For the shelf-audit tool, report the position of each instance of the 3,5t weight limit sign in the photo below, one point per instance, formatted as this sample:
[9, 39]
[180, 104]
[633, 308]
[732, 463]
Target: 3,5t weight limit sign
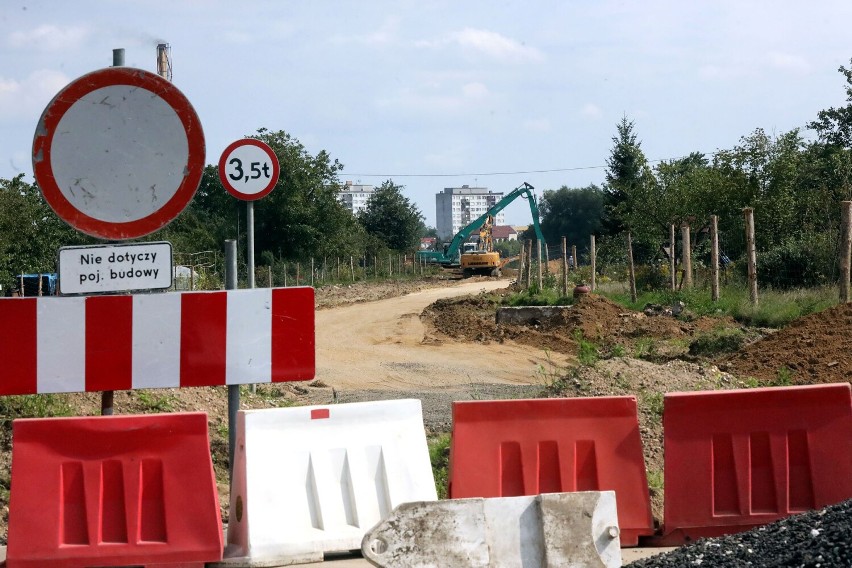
[248, 169]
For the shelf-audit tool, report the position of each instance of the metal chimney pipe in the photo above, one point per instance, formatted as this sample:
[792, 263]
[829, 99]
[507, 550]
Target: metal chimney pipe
[118, 57]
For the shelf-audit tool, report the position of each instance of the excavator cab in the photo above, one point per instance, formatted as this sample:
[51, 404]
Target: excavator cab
[480, 257]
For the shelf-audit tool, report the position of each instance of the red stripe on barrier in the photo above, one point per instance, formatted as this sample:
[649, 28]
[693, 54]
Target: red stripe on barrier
[18, 346]
[320, 413]
[109, 343]
[525, 447]
[738, 459]
[112, 491]
[293, 350]
[203, 335]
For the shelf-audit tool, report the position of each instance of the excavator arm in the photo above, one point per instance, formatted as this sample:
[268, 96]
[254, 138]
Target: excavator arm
[451, 256]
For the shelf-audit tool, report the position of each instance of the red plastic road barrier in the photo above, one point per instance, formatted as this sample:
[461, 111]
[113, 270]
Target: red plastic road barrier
[737, 459]
[97, 343]
[508, 448]
[113, 491]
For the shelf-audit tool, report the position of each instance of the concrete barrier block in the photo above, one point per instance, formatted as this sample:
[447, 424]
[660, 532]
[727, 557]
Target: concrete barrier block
[542, 531]
[528, 315]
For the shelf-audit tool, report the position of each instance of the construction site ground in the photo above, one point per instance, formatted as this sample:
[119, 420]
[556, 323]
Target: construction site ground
[436, 340]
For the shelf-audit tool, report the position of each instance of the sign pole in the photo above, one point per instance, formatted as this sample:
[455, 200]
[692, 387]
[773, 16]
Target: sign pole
[250, 241]
[233, 390]
[108, 397]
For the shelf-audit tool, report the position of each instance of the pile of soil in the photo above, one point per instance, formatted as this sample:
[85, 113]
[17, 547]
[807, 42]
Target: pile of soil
[592, 318]
[813, 349]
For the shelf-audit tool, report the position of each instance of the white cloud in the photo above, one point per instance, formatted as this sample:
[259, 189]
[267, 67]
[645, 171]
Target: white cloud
[591, 110]
[537, 125]
[722, 72]
[789, 62]
[26, 99]
[434, 96]
[48, 37]
[491, 44]
[387, 33]
[475, 91]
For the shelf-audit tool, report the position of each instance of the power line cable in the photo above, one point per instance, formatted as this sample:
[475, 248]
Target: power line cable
[547, 171]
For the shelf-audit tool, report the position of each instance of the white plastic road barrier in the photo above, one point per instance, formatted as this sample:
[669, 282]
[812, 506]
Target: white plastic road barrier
[313, 479]
[538, 531]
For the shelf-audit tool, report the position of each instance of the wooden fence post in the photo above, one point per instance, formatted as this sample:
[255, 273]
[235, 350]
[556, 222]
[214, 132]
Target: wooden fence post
[673, 257]
[845, 249]
[631, 269]
[352, 267]
[540, 279]
[529, 265]
[594, 261]
[751, 252]
[564, 266]
[687, 256]
[285, 274]
[714, 258]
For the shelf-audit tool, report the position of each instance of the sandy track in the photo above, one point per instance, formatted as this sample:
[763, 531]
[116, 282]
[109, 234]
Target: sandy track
[380, 345]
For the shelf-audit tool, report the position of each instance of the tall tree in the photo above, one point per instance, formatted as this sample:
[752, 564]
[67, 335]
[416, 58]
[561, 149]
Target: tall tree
[302, 217]
[834, 125]
[627, 178]
[573, 213]
[31, 232]
[391, 218]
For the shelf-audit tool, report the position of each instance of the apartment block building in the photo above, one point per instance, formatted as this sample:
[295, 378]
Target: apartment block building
[355, 196]
[456, 207]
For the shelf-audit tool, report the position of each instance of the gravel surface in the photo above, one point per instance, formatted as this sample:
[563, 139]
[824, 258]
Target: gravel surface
[438, 404]
[820, 538]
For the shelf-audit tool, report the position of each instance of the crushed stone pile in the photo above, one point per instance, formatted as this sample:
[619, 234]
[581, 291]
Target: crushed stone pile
[821, 538]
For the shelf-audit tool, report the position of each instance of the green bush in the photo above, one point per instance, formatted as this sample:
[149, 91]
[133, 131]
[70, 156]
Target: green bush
[804, 261]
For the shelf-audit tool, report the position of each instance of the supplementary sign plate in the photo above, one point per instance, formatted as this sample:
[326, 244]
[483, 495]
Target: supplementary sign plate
[115, 268]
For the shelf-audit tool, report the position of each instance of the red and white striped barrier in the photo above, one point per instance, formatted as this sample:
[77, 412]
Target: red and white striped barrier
[168, 340]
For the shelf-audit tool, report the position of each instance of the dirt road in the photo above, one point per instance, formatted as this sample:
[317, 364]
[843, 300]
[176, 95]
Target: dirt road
[383, 345]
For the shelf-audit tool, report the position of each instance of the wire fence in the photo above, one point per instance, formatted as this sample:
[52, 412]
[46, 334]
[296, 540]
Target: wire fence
[700, 256]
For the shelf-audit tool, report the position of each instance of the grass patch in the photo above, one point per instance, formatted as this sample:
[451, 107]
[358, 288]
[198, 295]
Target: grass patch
[646, 348]
[655, 480]
[439, 456]
[776, 308]
[588, 353]
[716, 341]
[154, 403]
[534, 297]
[33, 406]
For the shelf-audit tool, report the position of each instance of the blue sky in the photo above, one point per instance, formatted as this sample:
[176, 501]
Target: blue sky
[444, 93]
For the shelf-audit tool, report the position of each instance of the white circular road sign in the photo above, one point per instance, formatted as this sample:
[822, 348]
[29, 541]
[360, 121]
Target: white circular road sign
[249, 169]
[118, 153]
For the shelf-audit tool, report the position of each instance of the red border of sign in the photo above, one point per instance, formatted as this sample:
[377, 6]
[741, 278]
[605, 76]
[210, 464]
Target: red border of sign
[56, 109]
[223, 177]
